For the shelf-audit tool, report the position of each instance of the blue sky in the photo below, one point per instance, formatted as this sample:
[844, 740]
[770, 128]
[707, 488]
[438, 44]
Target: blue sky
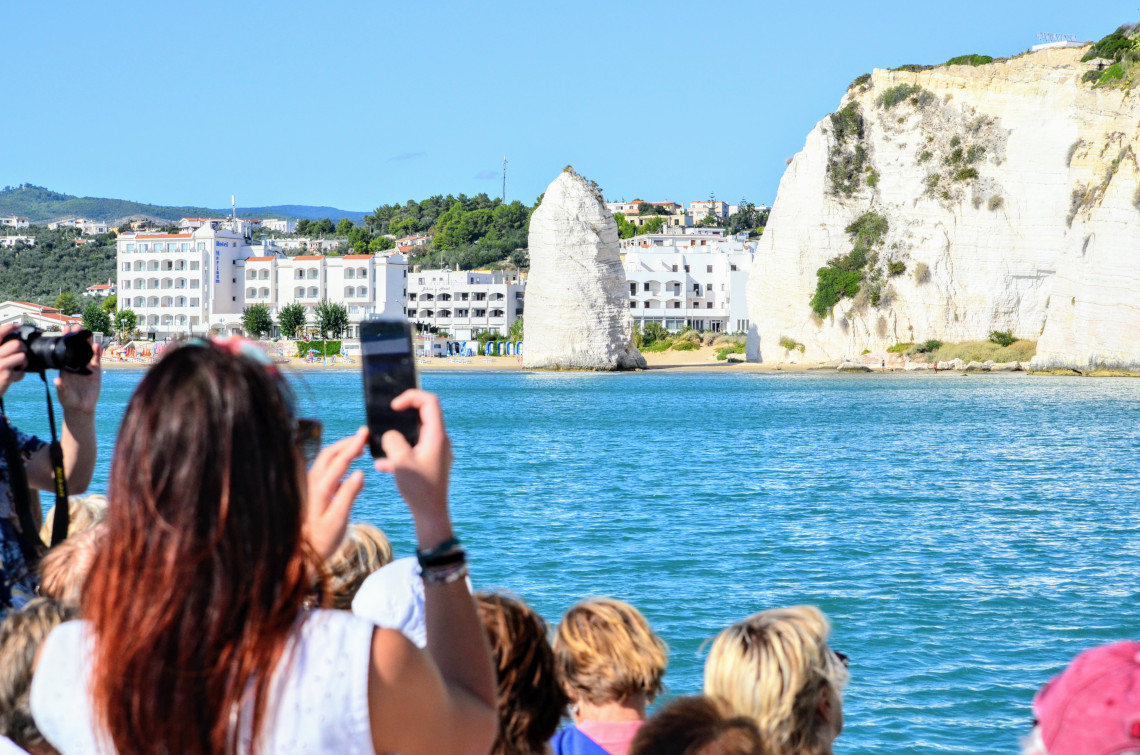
[355, 104]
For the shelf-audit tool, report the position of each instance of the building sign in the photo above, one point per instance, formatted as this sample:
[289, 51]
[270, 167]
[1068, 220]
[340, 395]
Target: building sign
[217, 263]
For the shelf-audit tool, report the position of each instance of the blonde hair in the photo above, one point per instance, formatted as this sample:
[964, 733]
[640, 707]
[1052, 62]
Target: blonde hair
[772, 667]
[21, 634]
[364, 550]
[606, 653]
[63, 571]
[85, 511]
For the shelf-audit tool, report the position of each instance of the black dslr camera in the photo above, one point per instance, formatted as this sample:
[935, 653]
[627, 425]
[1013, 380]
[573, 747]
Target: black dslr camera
[70, 352]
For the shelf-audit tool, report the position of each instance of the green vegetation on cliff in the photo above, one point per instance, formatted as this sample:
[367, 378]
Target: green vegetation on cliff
[1122, 47]
[843, 276]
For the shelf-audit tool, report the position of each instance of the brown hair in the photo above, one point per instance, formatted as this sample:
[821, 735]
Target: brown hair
[364, 550]
[203, 569]
[530, 700]
[21, 634]
[606, 653]
[693, 726]
[772, 668]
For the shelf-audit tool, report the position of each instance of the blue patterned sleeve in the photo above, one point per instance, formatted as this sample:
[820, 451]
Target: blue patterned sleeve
[29, 444]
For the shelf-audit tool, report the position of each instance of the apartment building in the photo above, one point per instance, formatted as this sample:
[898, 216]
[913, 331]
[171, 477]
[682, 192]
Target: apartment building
[85, 226]
[689, 280]
[462, 303]
[11, 242]
[368, 285]
[182, 283]
[13, 221]
[280, 226]
[700, 209]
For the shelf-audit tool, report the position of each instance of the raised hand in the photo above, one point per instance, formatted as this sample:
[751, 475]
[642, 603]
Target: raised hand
[330, 495]
[12, 359]
[422, 471]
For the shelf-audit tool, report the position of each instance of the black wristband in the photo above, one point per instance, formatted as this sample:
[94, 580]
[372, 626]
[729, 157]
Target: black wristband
[430, 556]
[443, 560]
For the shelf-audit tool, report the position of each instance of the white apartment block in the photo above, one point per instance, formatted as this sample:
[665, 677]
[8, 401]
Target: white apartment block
[688, 280]
[368, 285]
[184, 283]
[14, 221]
[311, 245]
[280, 226]
[85, 226]
[11, 241]
[463, 303]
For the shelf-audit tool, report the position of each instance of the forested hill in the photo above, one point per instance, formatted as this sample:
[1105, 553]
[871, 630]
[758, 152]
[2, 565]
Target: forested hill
[39, 205]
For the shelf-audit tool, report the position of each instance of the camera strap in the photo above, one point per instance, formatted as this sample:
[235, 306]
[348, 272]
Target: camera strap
[62, 519]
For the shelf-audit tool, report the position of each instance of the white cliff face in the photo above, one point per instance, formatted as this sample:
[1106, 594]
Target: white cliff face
[577, 298]
[1009, 197]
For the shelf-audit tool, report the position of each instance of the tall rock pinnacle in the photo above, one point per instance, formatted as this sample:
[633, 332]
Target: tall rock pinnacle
[577, 302]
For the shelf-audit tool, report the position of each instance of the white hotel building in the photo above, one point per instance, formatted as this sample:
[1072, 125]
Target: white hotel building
[695, 279]
[465, 302]
[185, 283]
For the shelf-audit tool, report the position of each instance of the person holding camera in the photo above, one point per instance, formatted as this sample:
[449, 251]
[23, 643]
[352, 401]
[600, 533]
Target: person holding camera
[26, 463]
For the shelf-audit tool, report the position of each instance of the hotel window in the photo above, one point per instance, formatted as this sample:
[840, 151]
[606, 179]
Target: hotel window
[193, 265]
[144, 247]
[201, 246]
[193, 283]
[126, 266]
[708, 305]
[676, 305]
[645, 286]
[674, 268]
[708, 268]
[633, 305]
[185, 246]
[130, 248]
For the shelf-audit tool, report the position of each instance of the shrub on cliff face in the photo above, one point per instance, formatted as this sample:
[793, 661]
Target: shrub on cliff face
[848, 156]
[1115, 46]
[897, 94]
[860, 81]
[842, 276]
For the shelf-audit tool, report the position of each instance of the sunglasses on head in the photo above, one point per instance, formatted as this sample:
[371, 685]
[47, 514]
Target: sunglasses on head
[842, 658]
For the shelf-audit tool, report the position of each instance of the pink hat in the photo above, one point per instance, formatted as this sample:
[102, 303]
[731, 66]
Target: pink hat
[1093, 706]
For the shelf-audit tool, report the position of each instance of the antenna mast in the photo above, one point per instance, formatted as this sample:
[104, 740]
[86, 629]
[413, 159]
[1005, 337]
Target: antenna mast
[504, 179]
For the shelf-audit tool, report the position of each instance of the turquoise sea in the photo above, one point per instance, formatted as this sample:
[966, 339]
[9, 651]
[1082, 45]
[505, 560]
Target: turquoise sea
[966, 535]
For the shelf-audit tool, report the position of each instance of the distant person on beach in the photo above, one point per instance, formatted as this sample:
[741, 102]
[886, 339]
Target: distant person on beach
[776, 668]
[697, 726]
[1092, 707]
[611, 665]
[365, 549]
[195, 638]
[25, 464]
[21, 634]
[531, 700]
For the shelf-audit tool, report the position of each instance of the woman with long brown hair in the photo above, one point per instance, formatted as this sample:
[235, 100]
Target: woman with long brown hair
[196, 638]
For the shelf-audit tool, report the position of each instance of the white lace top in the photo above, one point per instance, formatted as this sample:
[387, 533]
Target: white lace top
[318, 702]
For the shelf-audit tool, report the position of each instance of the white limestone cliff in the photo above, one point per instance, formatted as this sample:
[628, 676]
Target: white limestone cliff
[1035, 231]
[577, 299]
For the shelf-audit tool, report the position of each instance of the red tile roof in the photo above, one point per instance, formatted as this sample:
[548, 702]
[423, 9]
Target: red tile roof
[309, 257]
[258, 259]
[358, 256]
[164, 236]
[99, 286]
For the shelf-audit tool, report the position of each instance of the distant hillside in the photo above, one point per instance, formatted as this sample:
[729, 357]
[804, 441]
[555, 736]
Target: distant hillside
[40, 205]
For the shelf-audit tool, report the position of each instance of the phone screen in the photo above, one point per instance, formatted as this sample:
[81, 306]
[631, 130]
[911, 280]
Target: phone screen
[389, 370]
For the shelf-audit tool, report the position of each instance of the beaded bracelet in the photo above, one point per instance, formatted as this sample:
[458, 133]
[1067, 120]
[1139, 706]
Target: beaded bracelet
[438, 577]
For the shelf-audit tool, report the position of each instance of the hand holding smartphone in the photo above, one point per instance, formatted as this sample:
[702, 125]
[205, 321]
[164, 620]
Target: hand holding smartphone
[389, 370]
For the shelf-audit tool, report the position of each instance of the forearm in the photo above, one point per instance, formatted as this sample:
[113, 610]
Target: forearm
[455, 637]
[79, 448]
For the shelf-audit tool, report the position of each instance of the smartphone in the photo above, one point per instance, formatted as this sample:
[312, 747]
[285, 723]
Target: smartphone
[389, 370]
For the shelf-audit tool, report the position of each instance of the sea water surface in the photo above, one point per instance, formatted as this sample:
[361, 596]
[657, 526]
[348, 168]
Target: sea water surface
[965, 535]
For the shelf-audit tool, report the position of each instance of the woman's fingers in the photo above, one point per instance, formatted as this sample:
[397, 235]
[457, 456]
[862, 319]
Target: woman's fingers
[333, 462]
